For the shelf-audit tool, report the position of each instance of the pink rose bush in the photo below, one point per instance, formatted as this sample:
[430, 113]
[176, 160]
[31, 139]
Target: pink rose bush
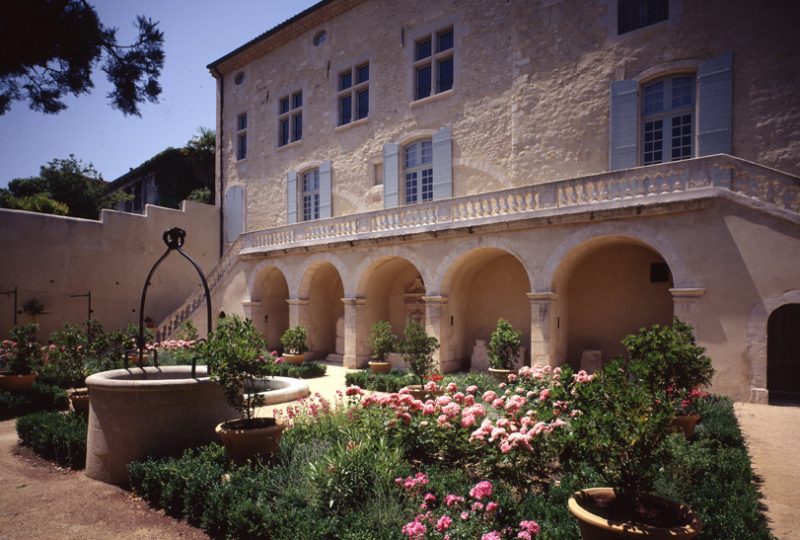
[475, 516]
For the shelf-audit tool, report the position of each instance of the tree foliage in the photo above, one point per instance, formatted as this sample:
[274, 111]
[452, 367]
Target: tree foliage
[49, 48]
[63, 187]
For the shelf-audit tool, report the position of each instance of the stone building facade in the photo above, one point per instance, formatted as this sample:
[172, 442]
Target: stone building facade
[581, 169]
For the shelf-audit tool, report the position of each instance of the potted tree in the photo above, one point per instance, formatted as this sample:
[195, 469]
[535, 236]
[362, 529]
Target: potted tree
[382, 342]
[504, 346]
[67, 365]
[19, 357]
[620, 433]
[294, 344]
[417, 348]
[235, 356]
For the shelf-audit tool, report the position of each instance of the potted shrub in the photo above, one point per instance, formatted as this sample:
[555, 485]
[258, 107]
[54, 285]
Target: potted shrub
[667, 359]
[294, 344]
[504, 346]
[417, 348]
[382, 342]
[19, 357]
[620, 433]
[67, 365]
[235, 355]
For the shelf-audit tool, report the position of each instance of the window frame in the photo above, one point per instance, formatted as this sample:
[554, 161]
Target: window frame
[643, 21]
[241, 136]
[433, 61]
[419, 170]
[667, 116]
[352, 91]
[290, 118]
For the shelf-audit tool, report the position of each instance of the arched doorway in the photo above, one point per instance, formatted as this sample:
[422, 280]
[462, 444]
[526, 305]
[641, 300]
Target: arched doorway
[325, 319]
[270, 312]
[609, 288]
[783, 354]
[483, 286]
[393, 288]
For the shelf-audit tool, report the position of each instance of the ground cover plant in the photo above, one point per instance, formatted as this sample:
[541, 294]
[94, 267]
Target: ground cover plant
[59, 437]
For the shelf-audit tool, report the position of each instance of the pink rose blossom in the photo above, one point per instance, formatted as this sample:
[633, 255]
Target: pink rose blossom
[481, 490]
[493, 535]
[444, 523]
[491, 506]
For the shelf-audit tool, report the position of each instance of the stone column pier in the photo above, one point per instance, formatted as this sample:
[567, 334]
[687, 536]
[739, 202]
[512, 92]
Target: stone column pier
[437, 324]
[356, 354]
[543, 327]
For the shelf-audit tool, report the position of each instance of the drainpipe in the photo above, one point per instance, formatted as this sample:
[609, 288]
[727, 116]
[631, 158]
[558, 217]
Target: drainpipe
[221, 171]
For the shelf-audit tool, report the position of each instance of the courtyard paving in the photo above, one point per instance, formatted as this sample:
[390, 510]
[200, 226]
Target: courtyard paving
[41, 501]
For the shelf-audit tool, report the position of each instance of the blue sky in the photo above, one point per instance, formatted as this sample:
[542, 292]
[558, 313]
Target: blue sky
[196, 32]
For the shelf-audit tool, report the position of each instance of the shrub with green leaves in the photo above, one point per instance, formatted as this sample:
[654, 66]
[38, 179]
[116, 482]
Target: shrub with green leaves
[308, 370]
[22, 354]
[55, 436]
[504, 345]
[381, 340]
[40, 397]
[418, 348]
[294, 340]
[379, 382]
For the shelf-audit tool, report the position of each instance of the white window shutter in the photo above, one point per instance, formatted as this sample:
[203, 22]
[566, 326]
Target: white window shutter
[291, 197]
[391, 170]
[443, 163]
[622, 143]
[325, 189]
[715, 87]
[234, 213]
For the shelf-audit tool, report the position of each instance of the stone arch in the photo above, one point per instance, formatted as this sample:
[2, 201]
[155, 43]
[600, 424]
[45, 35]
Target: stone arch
[259, 268]
[482, 285]
[268, 291]
[368, 265]
[757, 341]
[682, 277]
[607, 286]
[301, 281]
[440, 280]
[322, 289]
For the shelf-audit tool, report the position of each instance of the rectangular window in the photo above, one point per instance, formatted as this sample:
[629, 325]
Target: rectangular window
[418, 171]
[634, 14]
[241, 136]
[433, 70]
[290, 118]
[353, 98]
[311, 195]
[667, 109]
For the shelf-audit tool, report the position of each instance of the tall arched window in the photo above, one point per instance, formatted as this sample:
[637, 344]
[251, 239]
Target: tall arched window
[418, 171]
[667, 107]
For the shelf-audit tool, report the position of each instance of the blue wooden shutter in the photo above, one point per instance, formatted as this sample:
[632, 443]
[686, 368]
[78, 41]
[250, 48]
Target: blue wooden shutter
[391, 168]
[325, 189]
[443, 163]
[234, 213]
[715, 88]
[622, 143]
[291, 197]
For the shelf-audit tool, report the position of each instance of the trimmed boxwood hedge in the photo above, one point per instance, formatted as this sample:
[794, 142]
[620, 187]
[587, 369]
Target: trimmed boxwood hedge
[59, 437]
[301, 371]
[41, 397]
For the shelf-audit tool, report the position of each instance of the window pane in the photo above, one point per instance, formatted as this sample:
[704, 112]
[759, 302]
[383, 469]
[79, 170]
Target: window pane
[241, 146]
[297, 100]
[423, 82]
[445, 75]
[423, 49]
[653, 142]
[345, 110]
[682, 137]
[284, 132]
[426, 152]
[242, 121]
[284, 105]
[653, 98]
[427, 184]
[412, 151]
[411, 188]
[633, 14]
[363, 104]
[345, 80]
[444, 40]
[362, 73]
[298, 127]
[682, 91]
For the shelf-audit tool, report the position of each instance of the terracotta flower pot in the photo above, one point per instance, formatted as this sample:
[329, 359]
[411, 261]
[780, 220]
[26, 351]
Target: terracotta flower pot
[419, 392]
[380, 367]
[244, 439]
[588, 504]
[293, 358]
[17, 383]
[685, 423]
[501, 375]
[79, 401]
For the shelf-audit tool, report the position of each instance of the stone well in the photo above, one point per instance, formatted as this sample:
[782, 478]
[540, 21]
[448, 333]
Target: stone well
[140, 412]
